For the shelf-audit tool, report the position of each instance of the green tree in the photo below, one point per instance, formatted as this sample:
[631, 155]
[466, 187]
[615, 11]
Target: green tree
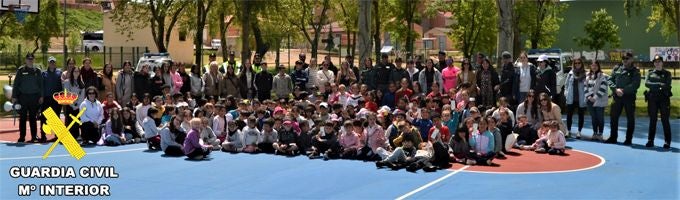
[402, 14]
[665, 13]
[600, 31]
[74, 39]
[539, 21]
[476, 26]
[347, 11]
[220, 20]
[302, 15]
[40, 28]
[161, 15]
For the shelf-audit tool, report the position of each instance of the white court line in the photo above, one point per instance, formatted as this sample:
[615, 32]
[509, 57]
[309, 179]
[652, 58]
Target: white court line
[421, 188]
[602, 161]
[68, 155]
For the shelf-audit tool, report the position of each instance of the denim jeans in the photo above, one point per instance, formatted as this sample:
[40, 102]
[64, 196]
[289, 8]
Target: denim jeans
[597, 115]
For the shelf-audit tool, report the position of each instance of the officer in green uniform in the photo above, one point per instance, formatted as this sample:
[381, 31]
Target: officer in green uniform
[624, 82]
[28, 92]
[231, 61]
[658, 100]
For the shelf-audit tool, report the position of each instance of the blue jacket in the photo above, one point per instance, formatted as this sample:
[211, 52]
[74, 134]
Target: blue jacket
[424, 126]
[300, 78]
[52, 82]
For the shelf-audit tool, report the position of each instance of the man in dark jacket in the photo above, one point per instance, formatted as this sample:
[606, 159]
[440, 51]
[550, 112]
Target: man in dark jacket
[263, 83]
[300, 76]
[51, 84]
[624, 82]
[508, 80]
[399, 72]
[384, 69]
[28, 92]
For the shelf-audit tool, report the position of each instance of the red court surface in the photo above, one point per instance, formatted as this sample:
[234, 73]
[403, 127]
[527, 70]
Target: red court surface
[528, 162]
[10, 132]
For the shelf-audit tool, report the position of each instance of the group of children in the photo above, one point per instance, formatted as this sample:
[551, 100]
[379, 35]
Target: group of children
[410, 136]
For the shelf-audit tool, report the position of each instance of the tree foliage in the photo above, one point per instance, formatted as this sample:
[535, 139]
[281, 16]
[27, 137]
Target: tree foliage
[347, 14]
[539, 21]
[402, 15]
[476, 26]
[40, 27]
[665, 13]
[161, 15]
[600, 31]
[303, 16]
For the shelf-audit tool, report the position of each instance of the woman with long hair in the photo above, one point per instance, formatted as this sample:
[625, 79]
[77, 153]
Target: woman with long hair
[74, 84]
[124, 83]
[428, 76]
[345, 75]
[70, 64]
[596, 95]
[196, 84]
[551, 111]
[88, 75]
[529, 108]
[247, 80]
[574, 93]
[107, 81]
[487, 80]
[230, 84]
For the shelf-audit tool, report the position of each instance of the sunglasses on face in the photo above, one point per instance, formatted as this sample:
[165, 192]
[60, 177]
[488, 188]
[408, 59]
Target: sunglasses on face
[544, 100]
[91, 93]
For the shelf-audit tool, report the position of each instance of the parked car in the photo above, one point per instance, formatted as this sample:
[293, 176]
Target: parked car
[153, 60]
[556, 57]
[216, 43]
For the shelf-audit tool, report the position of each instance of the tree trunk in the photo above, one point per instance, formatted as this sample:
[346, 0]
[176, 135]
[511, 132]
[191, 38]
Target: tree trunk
[410, 38]
[245, 30]
[200, 18]
[376, 32]
[261, 46]
[364, 30]
[223, 38]
[505, 31]
[354, 42]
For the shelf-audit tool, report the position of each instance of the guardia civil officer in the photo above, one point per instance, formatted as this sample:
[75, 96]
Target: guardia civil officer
[658, 97]
[28, 92]
[624, 82]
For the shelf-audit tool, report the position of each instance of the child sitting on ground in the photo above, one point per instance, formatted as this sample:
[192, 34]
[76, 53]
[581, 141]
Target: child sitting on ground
[324, 141]
[172, 138]
[208, 135]
[304, 140]
[526, 134]
[349, 141]
[192, 147]
[482, 145]
[459, 146]
[153, 139]
[556, 142]
[113, 130]
[401, 156]
[267, 137]
[423, 159]
[234, 140]
[286, 143]
[542, 136]
[251, 135]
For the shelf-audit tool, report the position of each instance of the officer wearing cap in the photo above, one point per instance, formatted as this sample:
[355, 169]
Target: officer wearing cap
[658, 98]
[624, 82]
[51, 84]
[231, 61]
[28, 92]
[211, 58]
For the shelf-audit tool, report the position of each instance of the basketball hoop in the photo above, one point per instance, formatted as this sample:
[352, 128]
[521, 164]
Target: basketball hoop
[20, 11]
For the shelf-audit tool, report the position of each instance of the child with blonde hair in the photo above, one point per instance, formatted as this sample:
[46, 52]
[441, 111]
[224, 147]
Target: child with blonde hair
[192, 146]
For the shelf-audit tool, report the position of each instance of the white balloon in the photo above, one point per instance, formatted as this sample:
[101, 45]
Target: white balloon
[7, 106]
[7, 89]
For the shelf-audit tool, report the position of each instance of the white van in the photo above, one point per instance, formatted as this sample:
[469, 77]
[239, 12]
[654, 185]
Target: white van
[153, 60]
[93, 41]
[556, 57]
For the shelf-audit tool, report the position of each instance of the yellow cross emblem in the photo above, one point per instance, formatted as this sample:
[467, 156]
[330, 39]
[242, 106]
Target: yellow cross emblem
[54, 124]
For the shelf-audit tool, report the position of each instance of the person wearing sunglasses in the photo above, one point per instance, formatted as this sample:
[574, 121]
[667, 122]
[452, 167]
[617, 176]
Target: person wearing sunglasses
[92, 117]
[625, 81]
[658, 82]
[546, 78]
[574, 93]
[28, 92]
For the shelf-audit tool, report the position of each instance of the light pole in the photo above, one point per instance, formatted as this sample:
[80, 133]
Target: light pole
[65, 47]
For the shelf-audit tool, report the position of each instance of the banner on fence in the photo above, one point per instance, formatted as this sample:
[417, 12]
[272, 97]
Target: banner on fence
[669, 54]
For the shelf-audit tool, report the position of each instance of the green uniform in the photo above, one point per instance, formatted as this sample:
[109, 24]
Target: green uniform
[658, 100]
[628, 79]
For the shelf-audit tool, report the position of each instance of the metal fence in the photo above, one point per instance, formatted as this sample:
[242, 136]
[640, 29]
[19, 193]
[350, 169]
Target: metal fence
[12, 58]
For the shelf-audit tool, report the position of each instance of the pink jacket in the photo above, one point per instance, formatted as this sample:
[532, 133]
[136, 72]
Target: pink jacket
[349, 140]
[375, 137]
[449, 76]
[176, 81]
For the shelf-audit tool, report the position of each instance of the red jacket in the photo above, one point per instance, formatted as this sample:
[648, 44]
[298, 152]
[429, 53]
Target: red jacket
[444, 134]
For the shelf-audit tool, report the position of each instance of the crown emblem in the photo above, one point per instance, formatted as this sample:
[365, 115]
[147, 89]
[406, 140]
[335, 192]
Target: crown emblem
[65, 97]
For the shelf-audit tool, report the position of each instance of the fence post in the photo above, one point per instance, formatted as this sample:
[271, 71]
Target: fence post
[121, 54]
[104, 51]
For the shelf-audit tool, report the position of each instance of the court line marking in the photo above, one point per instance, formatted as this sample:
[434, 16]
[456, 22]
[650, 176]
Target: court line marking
[602, 161]
[69, 155]
[421, 188]
[25, 143]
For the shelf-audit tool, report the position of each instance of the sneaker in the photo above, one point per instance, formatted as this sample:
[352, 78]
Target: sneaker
[488, 162]
[540, 150]
[34, 140]
[667, 146]
[500, 155]
[470, 162]
[148, 145]
[21, 140]
[429, 169]
[413, 167]
[649, 144]
[394, 166]
[380, 164]
[525, 147]
[627, 143]
[578, 135]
